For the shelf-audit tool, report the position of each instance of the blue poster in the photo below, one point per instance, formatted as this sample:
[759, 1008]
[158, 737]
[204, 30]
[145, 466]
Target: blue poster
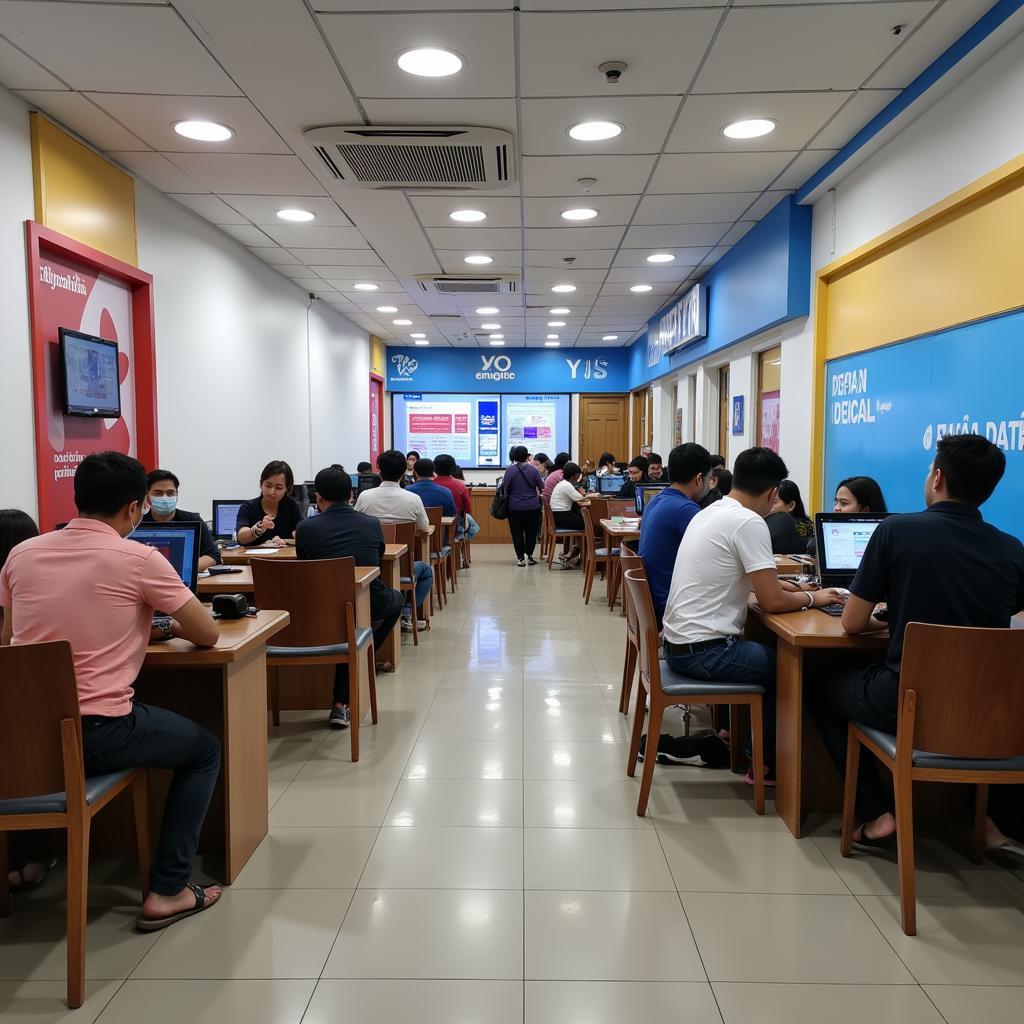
[886, 409]
[737, 414]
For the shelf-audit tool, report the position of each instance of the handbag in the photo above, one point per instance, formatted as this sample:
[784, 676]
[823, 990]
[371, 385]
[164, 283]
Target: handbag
[499, 506]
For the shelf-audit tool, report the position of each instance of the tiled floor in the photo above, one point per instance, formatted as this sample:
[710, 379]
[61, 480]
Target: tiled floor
[483, 864]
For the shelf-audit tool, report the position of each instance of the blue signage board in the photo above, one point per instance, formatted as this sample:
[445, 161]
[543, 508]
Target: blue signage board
[510, 370]
[886, 409]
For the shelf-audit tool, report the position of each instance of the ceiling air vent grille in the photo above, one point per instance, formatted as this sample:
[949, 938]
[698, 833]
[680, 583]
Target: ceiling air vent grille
[452, 284]
[415, 157]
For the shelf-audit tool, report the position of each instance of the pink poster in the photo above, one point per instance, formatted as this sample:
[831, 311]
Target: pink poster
[771, 409]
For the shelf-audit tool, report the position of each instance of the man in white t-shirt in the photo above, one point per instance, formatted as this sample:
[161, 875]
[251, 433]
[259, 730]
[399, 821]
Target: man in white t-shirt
[725, 553]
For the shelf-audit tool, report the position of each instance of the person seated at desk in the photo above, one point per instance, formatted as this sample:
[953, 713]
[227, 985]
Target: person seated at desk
[856, 495]
[91, 585]
[272, 517]
[720, 485]
[668, 515]
[391, 503]
[342, 532]
[565, 499]
[409, 476]
[163, 508]
[945, 566]
[725, 553]
[606, 464]
[655, 469]
[432, 494]
[445, 470]
[562, 459]
[788, 523]
[636, 473]
[544, 464]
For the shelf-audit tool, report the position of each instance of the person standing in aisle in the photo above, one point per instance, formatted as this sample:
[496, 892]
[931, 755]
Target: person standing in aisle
[523, 486]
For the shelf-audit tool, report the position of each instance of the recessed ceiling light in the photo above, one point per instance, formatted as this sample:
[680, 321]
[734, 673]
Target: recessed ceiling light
[497, 341]
[296, 215]
[487, 310]
[387, 309]
[751, 128]
[419, 342]
[468, 216]
[579, 213]
[559, 311]
[641, 287]
[417, 335]
[556, 323]
[563, 288]
[552, 337]
[552, 344]
[479, 260]
[490, 327]
[365, 286]
[402, 323]
[203, 131]
[660, 257]
[430, 62]
[594, 131]
[610, 337]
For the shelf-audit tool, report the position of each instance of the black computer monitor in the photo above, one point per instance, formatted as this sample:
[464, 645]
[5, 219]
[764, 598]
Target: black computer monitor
[841, 542]
[644, 493]
[225, 517]
[367, 481]
[610, 484]
[178, 543]
[89, 374]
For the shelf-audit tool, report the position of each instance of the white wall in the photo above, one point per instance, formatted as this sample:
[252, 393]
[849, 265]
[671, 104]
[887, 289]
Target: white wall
[17, 437]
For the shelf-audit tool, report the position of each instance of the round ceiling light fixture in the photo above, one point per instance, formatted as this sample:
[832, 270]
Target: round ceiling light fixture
[468, 216]
[750, 128]
[203, 131]
[490, 327]
[660, 257]
[295, 215]
[365, 286]
[487, 311]
[479, 260]
[641, 287]
[496, 337]
[430, 62]
[417, 335]
[556, 323]
[579, 213]
[559, 311]
[497, 341]
[552, 344]
[594, 131]
[402, 323]
[563, 288]
[387, 309]
[552, 337]
[609, 337]
[421, 342]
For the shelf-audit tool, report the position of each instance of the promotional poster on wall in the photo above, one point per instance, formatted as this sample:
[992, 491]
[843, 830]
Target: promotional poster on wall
[737, 414]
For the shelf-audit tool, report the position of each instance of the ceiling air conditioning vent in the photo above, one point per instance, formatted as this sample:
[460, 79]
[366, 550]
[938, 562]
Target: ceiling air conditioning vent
[462, 284]
[406, 157]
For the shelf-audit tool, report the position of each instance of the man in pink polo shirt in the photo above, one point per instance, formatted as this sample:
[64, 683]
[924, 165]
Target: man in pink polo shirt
[90, 585]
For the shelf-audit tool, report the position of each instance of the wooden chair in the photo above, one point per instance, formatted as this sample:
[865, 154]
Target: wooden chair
[629, 561]
[43, 783]
[960, 719]
[320, 596]
[625, 507]
[593, 555]
[442, 556]
[615, 578]
[405, 533]
[555, 534]
[461, 543]
[661, 688]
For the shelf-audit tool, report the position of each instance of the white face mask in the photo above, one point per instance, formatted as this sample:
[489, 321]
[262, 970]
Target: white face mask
[135, 525]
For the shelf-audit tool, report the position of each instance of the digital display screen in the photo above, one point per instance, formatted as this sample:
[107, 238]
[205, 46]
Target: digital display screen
[225, 518]
[845, 544]
[177, 542]
[92, 385]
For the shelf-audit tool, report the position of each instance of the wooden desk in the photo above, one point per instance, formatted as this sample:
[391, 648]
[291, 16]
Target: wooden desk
[390, 573]
[242, 556]
[613, 532]
[224, 689]
[241, 582]
[788, 565]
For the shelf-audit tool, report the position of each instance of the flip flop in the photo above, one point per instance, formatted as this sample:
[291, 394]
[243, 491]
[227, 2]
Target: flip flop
[154, 924]
[384, 667]
[23, 886]
[867, 843]
[1008, 846]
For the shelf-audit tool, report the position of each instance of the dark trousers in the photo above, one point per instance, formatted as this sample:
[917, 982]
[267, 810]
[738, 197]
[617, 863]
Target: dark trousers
[524, 526]
[385, 609]
[735, 661]
[571, 519]
[869, 696]
[151, 737]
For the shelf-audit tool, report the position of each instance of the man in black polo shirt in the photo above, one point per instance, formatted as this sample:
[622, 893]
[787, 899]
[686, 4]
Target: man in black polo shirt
[944, 566]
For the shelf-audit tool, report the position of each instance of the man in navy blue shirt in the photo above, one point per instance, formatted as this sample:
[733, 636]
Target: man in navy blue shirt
[667, 516]
[433, 495]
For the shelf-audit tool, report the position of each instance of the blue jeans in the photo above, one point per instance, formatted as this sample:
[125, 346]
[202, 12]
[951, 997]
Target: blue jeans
[424, 577]
[151, 737]
[735, 661]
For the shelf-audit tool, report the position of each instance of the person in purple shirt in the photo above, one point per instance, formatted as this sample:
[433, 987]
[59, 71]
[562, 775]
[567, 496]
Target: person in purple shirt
[668, 515]
[523, 486]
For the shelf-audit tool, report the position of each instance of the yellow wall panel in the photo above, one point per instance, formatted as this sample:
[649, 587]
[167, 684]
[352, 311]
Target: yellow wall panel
[378, 354]
[80, 194]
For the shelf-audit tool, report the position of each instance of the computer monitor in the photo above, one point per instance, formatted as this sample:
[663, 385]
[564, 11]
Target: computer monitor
[841, 542]
[354, 477]
[610, 484]
[367, 481]
[591, 483]
[225, 517]
[178, 543]
[89, 374]
[644, 493]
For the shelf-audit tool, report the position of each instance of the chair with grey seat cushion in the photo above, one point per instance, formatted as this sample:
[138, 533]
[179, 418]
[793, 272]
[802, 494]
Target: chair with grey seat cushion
[43, 783]
[960, 719]
[661, 688]
[555, 534]
[320, 596]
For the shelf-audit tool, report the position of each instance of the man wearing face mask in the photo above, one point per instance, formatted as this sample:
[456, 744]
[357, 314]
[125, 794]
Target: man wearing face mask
[163, 508]
[90, 585]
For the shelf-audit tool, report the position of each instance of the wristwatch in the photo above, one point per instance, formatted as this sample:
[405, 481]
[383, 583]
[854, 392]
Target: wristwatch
[163, 623]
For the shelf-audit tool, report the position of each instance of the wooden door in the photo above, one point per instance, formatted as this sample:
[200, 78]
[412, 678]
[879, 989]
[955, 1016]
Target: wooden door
[724, 413]
[643, 425]
[604, 427]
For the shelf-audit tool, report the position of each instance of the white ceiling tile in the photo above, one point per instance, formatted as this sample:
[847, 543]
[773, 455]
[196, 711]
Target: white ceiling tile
[367, 46]
[312, 284]
[559, 175]
[737, 231]
[594, 259]
[662, 48]
[574, 238]
[950, 20]
[831, 46]
[729, 172]
[858, 111]
[345, 279]
[238, 173]
[617, 288]
[115, 48]
[245, 233]
[653, 275]
[19, 71]
[369, 272]
[798, 115]
[270, 253]
[433, 211]
[490, 113]
[340, 257]
[309, 236]
[158, 171]
[151, 118]
[475, 239]
[411, 5]
[295, 272]
[74, 110]
[765, 204]
[452, 262]
[645, 120]
[553, 275]
[216, 211]
[803, 167]
[650, 237]
[702, 208]
[263, 209]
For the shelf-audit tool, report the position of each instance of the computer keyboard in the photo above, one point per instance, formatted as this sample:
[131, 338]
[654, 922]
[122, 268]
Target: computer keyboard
[831, 609]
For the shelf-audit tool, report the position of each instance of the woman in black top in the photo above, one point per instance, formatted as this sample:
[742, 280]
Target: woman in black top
[788, 523]
[272, 517]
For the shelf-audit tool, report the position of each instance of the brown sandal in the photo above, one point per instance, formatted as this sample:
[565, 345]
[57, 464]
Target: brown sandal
[154, 924]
